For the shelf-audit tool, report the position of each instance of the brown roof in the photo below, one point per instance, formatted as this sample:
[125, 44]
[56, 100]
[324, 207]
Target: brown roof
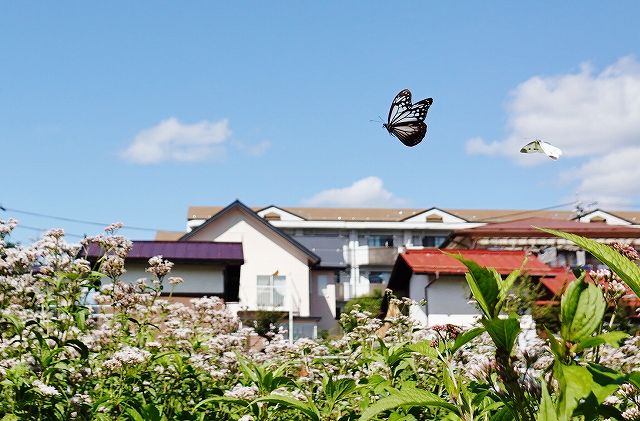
[314, 258]
[323, 214]
[399, 214]
[526, 228]
[501, 215]
[168, 235]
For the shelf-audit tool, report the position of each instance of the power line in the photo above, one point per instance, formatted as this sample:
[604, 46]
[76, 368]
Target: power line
[79, 221]
[528, 211]
[46, 229]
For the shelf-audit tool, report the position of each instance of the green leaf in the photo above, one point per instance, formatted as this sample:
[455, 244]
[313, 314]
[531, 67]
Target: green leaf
[465, 337]
[409, 397]
[503, 414]
[424, 348]
[611, 338]
[335, 391]
[483, 285]
[546, 410]
[306, 408]
[575, 384]
[78, 346]
[634, 378]
[605, 381]
[505, 286]
[10, 417]
[569, 303]
[133, 414]
[556, 347]
[224, 399]
[503, 332]
[581, 311]
[627, 270]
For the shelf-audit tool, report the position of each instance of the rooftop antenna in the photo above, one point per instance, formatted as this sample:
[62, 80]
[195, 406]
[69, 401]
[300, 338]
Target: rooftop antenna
[583, 208]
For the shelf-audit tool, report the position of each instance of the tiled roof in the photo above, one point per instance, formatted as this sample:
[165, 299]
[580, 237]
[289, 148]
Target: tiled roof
[525, 228]
[400, 214]
[314, 258]
[168, 235]
[435, 260]
[181, 251]
[557, 280]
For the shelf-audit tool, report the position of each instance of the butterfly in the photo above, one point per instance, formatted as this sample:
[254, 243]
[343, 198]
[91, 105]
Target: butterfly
[542, 147]
[406, 120]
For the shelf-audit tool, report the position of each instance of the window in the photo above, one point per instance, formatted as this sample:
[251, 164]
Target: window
[380, 241]
[271, 290]
[272, 216]
[379, 277]
[323, 283]
[433, 218]
[431, 241]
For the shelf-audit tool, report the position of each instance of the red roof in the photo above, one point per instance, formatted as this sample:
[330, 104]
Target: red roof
[557, 280]
[435, 260]
[525, 228]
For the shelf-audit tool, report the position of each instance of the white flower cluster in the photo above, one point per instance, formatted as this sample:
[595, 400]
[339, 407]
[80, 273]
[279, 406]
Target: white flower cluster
[126, 357]
[159, 266]
[46, 390]
[243, 392]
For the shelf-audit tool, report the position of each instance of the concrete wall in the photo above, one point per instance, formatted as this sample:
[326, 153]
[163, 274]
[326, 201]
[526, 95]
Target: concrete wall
[264, 254]
[323, 298]
[448, 300]
[205, 279]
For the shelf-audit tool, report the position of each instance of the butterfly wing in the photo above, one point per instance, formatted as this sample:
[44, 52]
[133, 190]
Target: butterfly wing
[405, 120]
[550, 150]
[542, 147]
[400, 105]
[410, 133]
[531, 147]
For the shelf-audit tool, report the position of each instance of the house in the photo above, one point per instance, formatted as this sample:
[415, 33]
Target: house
[254, 266]
[211, 268]
[278, 274]
[439, 279]
[522, 234]
[360, 245]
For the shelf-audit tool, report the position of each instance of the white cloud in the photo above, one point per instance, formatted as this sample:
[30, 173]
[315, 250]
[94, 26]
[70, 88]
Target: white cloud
[367, 192]
[612, 180]
[595, 116]
[171, 140]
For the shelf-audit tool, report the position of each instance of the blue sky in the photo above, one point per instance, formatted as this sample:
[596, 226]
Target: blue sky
[133, 111]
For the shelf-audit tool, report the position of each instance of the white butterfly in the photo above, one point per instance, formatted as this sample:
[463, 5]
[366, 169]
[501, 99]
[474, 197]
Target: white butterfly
[542, 147]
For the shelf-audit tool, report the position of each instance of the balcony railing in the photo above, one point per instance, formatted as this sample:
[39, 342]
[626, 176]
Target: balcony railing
[383, 256]
[270, 296]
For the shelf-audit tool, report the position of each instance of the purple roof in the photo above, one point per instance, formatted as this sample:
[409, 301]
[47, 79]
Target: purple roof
[180, 250]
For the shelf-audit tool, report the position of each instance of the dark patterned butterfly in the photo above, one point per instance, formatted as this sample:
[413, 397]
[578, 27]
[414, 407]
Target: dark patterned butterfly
[406, 120]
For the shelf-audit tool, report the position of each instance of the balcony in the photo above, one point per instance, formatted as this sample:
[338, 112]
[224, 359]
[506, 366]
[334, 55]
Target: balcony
[346, 291]
[382, 256]
[270, 296]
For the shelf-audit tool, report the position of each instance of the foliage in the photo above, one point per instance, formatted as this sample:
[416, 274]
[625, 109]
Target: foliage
[266, 323]
[371, 302]
[137, 356]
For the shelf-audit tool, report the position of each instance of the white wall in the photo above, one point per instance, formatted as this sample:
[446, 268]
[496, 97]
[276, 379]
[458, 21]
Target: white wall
[447, 300]
[197, 278]
[323, 298]
[264, 254]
